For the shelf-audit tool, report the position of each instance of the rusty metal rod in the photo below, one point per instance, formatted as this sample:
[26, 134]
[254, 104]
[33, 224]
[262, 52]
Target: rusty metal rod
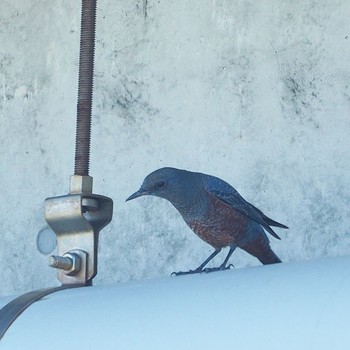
[85, 85]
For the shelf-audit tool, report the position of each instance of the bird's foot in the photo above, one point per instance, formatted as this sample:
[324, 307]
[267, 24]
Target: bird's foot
[220, 268]
[206, 270]
[190, 272]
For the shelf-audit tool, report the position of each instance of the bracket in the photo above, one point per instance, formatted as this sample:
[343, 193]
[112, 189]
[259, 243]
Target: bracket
[77, 219]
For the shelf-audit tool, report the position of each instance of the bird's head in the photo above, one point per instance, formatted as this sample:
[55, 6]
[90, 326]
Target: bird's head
[167, 183]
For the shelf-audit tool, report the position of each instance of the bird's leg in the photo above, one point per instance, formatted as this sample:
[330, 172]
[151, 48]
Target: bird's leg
[223, 265]
[199, 269]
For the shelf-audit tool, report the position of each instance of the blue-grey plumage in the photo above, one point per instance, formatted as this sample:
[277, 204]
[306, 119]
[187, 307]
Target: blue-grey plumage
[215, 211]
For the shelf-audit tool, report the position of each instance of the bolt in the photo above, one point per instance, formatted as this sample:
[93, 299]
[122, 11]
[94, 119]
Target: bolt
[69, 262]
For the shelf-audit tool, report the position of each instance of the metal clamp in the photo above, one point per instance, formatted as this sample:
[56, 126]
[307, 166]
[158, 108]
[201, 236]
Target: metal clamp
[10, 312]
[77, 219]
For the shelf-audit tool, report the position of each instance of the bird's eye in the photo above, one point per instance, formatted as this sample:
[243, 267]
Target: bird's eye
[160, 185]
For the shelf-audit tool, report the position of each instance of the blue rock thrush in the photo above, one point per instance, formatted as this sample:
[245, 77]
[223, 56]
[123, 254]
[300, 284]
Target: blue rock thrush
[216, 212]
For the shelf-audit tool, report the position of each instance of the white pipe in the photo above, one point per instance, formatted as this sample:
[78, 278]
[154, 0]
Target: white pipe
[284, 306]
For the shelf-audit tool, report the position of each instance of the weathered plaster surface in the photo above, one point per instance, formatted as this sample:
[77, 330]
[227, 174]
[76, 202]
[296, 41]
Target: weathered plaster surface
[255, 92]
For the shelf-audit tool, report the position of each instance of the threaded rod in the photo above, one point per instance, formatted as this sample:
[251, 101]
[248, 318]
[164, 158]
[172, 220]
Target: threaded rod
[85, 85]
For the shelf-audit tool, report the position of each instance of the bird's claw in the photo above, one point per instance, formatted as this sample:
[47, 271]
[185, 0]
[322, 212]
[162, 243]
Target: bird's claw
[220, 268]
[206, 270]
[190, 272]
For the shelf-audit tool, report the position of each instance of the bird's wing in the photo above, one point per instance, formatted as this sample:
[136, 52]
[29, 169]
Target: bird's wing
[228, 195]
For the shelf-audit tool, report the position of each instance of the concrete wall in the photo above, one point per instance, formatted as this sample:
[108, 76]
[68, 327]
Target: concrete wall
[255, 92]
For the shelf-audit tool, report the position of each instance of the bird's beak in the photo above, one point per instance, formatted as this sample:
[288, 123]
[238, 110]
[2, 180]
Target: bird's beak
[139, 193]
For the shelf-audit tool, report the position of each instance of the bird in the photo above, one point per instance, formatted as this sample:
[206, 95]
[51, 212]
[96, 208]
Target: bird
[215, 212]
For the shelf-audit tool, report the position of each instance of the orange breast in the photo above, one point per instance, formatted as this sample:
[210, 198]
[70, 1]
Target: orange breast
[221, 225]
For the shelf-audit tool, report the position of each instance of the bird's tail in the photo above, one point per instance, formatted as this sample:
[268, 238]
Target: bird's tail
[260, 248]
[269, 221]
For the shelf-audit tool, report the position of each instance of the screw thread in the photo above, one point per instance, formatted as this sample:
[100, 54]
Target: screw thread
[60, 262]
[85, 87]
